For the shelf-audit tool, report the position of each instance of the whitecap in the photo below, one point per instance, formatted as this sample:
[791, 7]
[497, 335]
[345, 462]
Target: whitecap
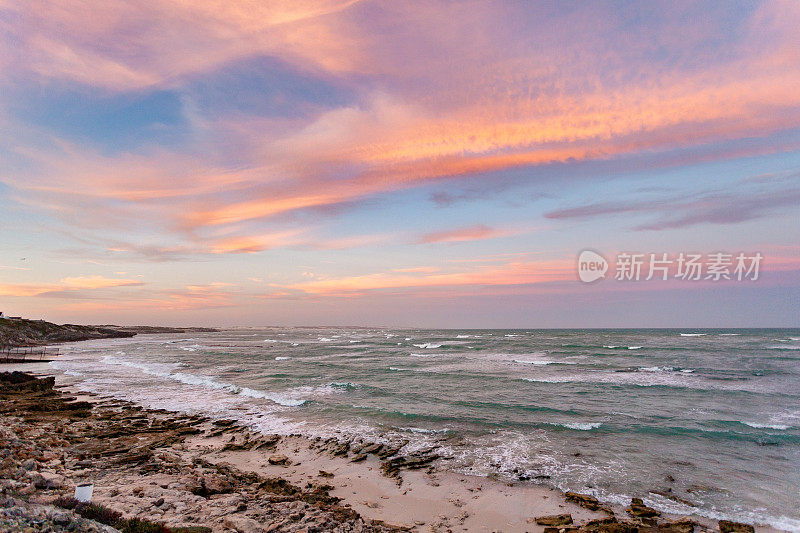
[429, 345]
[202, 381]
[282, 358]
[422, 354]
[756, 425]
[583, 426]
[423, 430]
[693, 334]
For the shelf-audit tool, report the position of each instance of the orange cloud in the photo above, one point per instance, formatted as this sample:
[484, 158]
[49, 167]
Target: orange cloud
[513, 273]
[66, 284]
[475, 96]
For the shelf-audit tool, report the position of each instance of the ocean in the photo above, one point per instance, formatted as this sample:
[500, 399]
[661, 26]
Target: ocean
[694, 421]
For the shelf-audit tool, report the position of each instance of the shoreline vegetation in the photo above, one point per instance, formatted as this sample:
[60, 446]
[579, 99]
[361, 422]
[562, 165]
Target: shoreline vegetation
[21, 332]
[161, 471]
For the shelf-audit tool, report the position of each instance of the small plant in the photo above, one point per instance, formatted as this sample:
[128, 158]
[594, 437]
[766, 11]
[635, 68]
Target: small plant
[110, 517]
[138, 525]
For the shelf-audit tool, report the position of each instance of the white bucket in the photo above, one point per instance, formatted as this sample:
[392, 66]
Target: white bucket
[83, 492]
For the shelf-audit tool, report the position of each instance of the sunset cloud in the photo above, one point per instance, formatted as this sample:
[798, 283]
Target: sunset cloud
[513, 273]
[473, 233]
[65, 284]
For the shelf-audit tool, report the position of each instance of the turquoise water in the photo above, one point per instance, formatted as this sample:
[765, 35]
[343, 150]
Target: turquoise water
[711, 415]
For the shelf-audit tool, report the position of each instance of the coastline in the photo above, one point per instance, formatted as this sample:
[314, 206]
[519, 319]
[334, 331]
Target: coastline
[184, 470]
[23, 332]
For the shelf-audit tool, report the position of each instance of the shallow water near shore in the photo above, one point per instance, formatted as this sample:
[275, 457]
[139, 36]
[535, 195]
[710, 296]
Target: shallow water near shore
[709, 417]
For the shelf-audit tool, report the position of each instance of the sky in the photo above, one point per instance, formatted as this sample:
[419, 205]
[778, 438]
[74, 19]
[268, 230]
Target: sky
[420, 164]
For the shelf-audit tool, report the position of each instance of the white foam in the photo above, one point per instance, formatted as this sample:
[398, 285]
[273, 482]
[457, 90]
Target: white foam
[537, 362]
[615, 347]
[422, 354]
[783, 347]
[583, 426]
[429, 345]
[204, 381]
[423, 430]
[282, 358]
[781, 427]
[693, 334]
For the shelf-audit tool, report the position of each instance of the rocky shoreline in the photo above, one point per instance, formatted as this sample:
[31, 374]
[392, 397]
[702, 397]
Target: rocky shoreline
[21, 332]
[155, 470]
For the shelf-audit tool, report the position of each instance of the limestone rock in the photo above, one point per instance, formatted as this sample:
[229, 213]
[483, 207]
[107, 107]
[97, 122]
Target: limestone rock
[726, 526]
[554, 520]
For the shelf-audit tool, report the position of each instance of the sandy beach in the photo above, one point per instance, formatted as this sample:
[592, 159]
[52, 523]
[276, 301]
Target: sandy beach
[212, 475]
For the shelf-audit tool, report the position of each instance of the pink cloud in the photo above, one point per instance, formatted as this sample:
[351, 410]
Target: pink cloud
[512, 273]
[476, 95]
[472, 233]
[66, 285]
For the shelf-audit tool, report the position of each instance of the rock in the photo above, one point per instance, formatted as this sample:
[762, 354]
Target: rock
[323, 473]
[278, 459]
[410, 462]
[562, 529]
[609, 525]
[191, 529]
[726, 526]
[640, 510]
[681, 525]
[47, 480]
[584, 500]
[209, 485]
[60, 518]
[554, 520]
[159, 502]
[217, 484]
[371, 448]
[242, 524]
